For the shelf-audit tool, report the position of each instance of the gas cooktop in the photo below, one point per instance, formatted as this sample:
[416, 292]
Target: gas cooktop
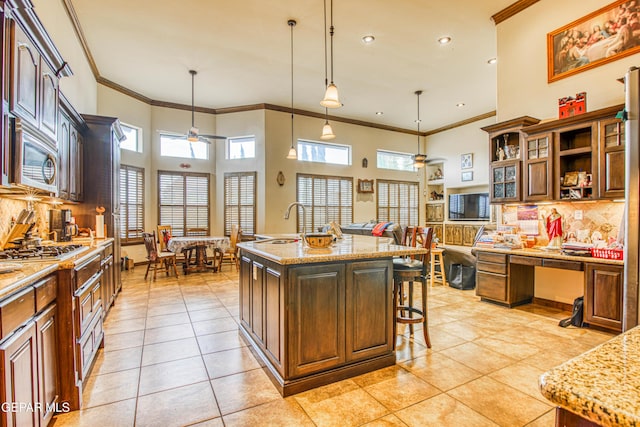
[41, 253]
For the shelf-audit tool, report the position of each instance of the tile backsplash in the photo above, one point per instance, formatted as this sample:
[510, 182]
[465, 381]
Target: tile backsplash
[579, 219]
[10, 209]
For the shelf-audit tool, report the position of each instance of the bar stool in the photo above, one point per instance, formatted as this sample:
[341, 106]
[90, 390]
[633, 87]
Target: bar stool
[412, 270]
[437, 260]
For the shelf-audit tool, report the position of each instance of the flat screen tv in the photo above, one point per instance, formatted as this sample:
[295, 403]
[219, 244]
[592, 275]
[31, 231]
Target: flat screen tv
[469, 207]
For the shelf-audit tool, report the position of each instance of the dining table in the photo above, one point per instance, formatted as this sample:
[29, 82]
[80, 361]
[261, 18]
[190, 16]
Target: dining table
[199, 244]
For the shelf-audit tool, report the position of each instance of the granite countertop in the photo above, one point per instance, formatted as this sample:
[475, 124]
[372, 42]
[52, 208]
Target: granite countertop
[350, 247]
[602, 384]
[30, 271]
[541, 253]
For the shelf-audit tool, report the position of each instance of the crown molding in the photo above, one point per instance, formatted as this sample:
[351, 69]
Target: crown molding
[512, 10]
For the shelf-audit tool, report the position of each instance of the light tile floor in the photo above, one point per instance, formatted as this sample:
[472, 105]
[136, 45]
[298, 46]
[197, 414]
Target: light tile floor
[173, 356]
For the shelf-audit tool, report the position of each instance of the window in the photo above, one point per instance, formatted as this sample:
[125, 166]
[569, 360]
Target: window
[395, 161]
[326, 199]
[184, 202]
[239, 202]
[241, 148]
[132, 138]
[178, 146]
[322, 152]
[398, 202]
[131, 203]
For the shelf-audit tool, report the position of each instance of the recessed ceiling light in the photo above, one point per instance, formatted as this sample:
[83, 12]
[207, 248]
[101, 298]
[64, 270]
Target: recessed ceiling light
[368, 39]
[379, 113]
[444, 40]
[460, 104]
[492, 61]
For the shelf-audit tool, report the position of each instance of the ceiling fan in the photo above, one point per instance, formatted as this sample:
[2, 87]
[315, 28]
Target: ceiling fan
[193, 135]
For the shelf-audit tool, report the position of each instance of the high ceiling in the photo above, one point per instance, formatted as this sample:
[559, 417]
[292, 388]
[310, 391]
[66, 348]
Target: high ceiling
[241, 51]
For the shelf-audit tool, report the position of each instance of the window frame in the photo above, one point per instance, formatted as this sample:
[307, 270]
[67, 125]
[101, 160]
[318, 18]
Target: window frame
[310, 209]
[226, 225]
[301, 142]
[232, 139]
[139, 143]
[398, 153]
[186, 230]
[183, 139]
[124, 232]
[397, 218]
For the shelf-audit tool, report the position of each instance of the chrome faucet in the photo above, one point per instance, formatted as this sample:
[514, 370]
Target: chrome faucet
[304, 217]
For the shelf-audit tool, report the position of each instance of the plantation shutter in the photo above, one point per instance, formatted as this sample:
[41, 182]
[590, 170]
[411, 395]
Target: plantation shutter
[398, 202]
[184, 202]
[131, 203]
[239, 202]
[327, 198]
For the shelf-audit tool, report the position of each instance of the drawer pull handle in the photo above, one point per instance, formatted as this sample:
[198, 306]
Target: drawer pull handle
[21, 301]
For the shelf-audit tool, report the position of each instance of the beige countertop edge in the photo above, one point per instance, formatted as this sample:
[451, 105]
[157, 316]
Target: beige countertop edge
[16, 281]
[549, 255]
[602, 384]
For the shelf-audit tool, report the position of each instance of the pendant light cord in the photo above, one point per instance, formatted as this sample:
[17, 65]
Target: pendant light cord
[292, 24]
[326, 79]
[331, 36]
[418, 93]
[193, 75]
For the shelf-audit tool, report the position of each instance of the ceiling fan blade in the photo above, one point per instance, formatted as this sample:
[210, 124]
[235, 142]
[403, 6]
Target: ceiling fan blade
[213, 136]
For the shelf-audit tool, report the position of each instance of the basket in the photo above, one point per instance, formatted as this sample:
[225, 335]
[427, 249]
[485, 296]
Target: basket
[607, 253]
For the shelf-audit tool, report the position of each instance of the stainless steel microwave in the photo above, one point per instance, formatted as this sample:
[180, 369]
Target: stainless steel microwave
[35, 164]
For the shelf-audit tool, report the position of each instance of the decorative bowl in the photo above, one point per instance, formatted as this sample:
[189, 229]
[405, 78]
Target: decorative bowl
[318, 240]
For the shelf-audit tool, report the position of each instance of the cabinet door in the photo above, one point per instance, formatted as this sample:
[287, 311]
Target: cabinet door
[369, 303]
[612, 159]
[108, 287]
[437, 232]
[317, 318]
[274, 315]
[25, 77]
[469, 234]
[538, 181]
[75, 165]
[435, 212]
[245, 292]
[47, 363]
[456, 234]
[20, 377]
[63, 158]
[603, 296]
[505, 181]
[49, 100]
[257, 302]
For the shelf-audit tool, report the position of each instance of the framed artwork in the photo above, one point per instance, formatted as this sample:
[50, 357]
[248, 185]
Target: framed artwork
[570, 179]
[467, 176]
[466, 161]
[365, 186]
[598, 38]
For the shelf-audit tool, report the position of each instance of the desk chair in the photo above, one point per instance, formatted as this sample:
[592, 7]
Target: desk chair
[157, 259]
[413, 269]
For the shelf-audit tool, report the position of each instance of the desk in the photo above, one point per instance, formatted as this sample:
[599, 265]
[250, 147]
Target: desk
[200, 243]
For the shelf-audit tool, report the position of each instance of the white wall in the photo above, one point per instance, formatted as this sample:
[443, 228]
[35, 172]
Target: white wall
[522, 64]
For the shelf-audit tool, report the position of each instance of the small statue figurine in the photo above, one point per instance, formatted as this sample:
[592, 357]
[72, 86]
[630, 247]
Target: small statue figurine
[438, 174]
[554, 229]
[500, 153]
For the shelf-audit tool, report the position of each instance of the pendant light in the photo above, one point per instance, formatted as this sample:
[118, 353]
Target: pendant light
[293, 154]
[327, 131]
[331, 94]
[419, 160]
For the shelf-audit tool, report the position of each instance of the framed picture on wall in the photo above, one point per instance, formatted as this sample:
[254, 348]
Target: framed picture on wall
[466, 161]
[598, 38]
[467, 176]
[365, 186]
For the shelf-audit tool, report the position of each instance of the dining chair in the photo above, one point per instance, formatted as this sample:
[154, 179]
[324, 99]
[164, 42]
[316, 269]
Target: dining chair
[413, 269]
[157, 259]
[231, 254]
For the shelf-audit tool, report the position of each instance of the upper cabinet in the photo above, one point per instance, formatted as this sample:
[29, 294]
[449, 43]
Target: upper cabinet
[70, 153]
[506, 151]
[34, 70]
[580, 157]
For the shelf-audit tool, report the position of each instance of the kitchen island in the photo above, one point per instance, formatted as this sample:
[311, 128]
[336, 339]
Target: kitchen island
[599, 387]
[316, 316]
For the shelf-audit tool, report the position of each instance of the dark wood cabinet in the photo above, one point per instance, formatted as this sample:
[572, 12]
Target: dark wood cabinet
[108, 278]
[20, 377]
[538, 170]
[503, 280]
[25, 76]
[576, 158]
[318, 323]
[70, 153]
[505, 182]
[612, 163]
[49, 386]
[603, 296]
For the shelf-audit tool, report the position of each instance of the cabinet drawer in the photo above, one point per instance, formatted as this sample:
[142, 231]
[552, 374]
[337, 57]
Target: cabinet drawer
[525, 260]
[491, 267]
[565, 265]
[16, 310]
[46, 292]
[492, 286]
[88, 344]
[491, 257]
[86, 270]
[108, 250]
[85, 308]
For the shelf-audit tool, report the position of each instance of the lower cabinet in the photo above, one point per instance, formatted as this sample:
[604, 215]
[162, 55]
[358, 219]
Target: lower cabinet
[49, 385]
[318, 323]
[603, 296]
[505, 279]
